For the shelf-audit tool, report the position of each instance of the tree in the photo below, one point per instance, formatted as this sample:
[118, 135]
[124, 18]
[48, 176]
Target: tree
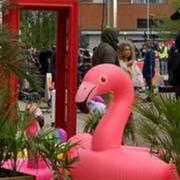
[38, 28]
[166, 27]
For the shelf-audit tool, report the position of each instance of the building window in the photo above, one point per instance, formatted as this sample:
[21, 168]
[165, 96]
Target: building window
[85, 1]
[97, 1]
[150, 1]
[84, 41]
[142, 23]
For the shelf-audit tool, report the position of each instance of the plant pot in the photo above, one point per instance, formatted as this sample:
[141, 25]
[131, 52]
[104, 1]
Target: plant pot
[5, 175]
[36, 162]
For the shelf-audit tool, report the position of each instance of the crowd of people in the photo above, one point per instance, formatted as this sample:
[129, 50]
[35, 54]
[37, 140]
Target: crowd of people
[158, 60]
[155, 58]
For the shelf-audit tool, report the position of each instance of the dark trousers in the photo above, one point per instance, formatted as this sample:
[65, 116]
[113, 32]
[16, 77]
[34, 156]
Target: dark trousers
[163, 67]
[177, 91]
[148, 81]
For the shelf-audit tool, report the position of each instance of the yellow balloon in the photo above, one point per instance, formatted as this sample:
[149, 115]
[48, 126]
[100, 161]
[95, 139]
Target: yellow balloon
[22, 154]
[60, 156]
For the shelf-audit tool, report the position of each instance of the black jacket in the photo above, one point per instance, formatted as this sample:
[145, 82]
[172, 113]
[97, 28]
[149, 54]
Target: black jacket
[174, 66]
[106, 52]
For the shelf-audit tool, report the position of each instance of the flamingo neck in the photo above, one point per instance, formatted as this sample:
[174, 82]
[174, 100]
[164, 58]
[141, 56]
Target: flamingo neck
[109, 132]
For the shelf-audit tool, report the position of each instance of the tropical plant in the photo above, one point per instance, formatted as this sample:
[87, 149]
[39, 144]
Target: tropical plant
[13, 122]
[12, 137]
[14, 59]
[159, 125]
[91, 121]
[54, 152]
[16, 146]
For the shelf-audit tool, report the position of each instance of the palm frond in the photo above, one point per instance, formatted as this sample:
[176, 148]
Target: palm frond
[159, 125]
[14, 58]
[91, 122]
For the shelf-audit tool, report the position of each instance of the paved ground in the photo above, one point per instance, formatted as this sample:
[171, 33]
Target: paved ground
[80, 121]
[48, 115]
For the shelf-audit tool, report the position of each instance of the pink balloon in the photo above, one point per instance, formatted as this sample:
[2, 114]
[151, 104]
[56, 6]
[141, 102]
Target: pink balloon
[101, 156]
[33, 129]
[98, 99]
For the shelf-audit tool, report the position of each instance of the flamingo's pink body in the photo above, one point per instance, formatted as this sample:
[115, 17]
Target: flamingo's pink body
[101, 156]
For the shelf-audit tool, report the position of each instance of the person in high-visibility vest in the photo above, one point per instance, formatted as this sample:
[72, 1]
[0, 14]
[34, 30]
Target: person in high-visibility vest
[163, 56]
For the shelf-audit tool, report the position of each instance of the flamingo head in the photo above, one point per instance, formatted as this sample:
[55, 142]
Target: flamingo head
[102, 79]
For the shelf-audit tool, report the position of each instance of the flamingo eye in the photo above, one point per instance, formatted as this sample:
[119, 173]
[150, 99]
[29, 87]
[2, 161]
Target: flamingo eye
[103, 79]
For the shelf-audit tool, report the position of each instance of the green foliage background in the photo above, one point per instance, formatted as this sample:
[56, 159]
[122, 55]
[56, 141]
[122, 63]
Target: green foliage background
[159, 125]
[38, 28]
[166, 27]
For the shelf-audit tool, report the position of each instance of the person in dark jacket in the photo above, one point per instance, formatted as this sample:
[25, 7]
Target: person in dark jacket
[149, 66]
[174, 66]
[106, 52]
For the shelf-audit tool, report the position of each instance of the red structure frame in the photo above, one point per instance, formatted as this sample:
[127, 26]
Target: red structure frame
[66, 67]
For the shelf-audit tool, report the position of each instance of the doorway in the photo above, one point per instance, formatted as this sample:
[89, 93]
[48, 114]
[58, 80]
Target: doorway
[66, 54]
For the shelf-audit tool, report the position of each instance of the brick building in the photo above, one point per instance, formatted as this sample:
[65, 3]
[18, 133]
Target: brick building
[134, 19]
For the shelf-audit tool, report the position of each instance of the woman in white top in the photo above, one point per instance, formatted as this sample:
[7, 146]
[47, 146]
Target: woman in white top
[128, 63]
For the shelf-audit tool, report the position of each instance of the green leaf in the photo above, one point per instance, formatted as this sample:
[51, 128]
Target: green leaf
[159, 126]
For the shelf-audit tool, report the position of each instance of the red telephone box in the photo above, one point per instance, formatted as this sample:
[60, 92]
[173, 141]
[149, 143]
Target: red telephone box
[66, 58]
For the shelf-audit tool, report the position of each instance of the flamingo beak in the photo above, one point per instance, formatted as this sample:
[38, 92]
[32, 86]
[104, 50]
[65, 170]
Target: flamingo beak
[83, 95]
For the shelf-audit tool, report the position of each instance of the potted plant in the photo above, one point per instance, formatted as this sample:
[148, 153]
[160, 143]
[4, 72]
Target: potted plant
[16, 146]
[11, 137]
[55, 153]
[159, 125]
[11, 61]
[13, 122]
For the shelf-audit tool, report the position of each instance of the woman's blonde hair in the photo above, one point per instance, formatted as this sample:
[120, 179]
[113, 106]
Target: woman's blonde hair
[122, 47]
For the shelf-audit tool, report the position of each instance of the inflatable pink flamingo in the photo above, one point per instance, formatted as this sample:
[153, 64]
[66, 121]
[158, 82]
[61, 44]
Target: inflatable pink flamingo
[102, 157]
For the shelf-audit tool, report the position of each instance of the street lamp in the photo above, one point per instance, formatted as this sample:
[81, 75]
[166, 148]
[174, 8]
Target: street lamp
[111, 15]
[148, 25]
[115, 13]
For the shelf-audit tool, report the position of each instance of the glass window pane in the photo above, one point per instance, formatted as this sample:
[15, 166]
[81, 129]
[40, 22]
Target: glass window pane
[150, 1]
